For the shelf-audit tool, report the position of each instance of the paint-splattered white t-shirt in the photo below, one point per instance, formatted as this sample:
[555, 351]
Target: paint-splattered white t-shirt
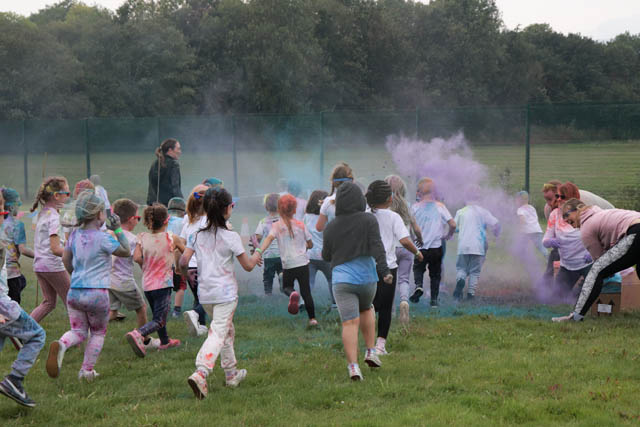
[122, 278]
[47, 225]
[431, 217]
[392, 229]
[293, 249]
[471, 224]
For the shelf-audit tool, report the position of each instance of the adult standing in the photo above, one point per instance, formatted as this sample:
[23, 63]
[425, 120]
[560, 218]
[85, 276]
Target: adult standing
[164, 174]
[611, 237]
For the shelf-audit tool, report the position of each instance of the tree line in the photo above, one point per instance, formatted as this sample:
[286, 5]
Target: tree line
[182, 57]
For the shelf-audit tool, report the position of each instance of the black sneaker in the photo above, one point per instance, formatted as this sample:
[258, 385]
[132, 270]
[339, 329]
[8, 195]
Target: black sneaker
[415, 298]
[470, 297]
[16, 392]
[434, 303]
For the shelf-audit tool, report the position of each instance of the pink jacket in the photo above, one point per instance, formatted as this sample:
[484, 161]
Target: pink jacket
[601, 229]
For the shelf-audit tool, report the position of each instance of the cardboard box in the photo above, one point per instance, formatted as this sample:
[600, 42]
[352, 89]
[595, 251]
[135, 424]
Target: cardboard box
[627, 299]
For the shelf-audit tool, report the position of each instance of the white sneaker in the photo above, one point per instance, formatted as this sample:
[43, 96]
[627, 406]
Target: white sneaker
[236, 378]
[354, 372]
[202, 330]
[381, 351]
[88, 375]
[153, 344]
[404, 312]
[191, 319]
[371, 358]
[54, 360]
[198, 383]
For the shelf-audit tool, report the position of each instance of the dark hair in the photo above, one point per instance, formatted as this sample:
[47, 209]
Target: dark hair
[377, 194]
[315, 200]
[125, 209]
[155, 216]
[271, 202]
[215, 201]
[161, 151]
[47, 189]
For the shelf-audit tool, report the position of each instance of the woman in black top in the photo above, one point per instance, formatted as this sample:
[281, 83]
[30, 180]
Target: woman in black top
[164, 184]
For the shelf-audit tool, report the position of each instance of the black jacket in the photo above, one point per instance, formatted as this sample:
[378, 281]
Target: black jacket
[353, 233]
[170, 182]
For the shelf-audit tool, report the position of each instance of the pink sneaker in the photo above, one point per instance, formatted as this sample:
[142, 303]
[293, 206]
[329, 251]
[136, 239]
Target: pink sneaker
[172, 343]
[294, 303]
[135, 339]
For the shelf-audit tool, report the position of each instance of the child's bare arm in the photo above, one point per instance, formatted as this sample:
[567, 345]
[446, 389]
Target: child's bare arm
[184, 261]
[452, 228]
[266, 242]
[178, 243]
[24, 250]
[322, 221]
[408, 245]
[137, 255]
[67, 260]
[416, 230]
[309, 244]
[248, 263]
[56, 247]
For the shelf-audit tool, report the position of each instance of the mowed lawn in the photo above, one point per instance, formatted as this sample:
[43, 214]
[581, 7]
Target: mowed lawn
[607, 168]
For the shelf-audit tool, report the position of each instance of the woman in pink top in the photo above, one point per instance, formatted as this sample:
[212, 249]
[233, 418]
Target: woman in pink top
[610, 236]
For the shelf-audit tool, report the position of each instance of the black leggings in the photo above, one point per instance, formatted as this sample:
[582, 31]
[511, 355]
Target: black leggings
[192, 280]
[383, 303]
[624, 254]
[301, 274]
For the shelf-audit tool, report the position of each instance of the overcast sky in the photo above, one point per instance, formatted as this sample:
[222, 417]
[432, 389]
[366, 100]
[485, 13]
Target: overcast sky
[601, 20]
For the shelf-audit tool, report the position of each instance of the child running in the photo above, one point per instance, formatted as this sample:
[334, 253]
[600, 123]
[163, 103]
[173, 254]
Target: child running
[431, 216]
[13, 233]
[472, 223]
[353, 246]
[176, 208]
[293, 242]
[48, 246]
[316, 263]
[196, 219]
[271, 256]
[529, 225]
[341, 173]
[215, 247]
[87, 256]
[123, 289]
[154, 253]
[392, 230]
[16, 324]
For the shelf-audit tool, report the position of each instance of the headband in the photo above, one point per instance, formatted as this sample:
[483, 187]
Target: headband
[342, 179]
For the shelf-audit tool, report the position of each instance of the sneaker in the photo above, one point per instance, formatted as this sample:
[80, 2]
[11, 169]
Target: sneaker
[434, 303]
[172, 343]
[470, 297]
[88, 375]
[381, 351]
[153, 344]
[135, 340]
[404, 312]
[202, 330]
[16, 343]
[236, 378]
[294, 300]
[415, 298]
[354, 372]
[334, 306]
[191, 319]
[281, 283]
[313, 322]
[175, 314]
[198, 383]
[54, 360]
[371, 358]
[120, 316]
[16, 392]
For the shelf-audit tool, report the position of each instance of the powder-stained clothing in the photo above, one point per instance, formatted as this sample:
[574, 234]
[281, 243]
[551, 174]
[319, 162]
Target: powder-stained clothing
[13, 234]
[531, 224]
[310, 221]
[216, 251]
[601, 229]
[220, 338]
[431, 217]
[169, 185]
[328, 207]
[392, 230]
[122, 278]
[263, 229]
[572, 251]
[190, 228]
[157, 263]
[301, 206]
[47, 225]
[102, 194]
[586, 197]
[91, 251]
[24, 328]
[175, 224]
[472, 222]
[293, 249]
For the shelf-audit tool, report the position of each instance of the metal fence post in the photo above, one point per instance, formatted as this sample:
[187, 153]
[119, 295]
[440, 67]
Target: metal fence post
[87, 147]
[236, 190]
[527, 156]
[26, 161]
[321, 146]
[417, 123]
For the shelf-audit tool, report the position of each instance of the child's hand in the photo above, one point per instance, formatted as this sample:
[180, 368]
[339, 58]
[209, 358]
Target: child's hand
[388, 279]
[419, 256]
[258, 257]
[113, 221]
[3, 319]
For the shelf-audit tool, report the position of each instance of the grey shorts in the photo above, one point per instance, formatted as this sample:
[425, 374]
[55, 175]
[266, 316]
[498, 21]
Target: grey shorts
[132, 299]
[353, 299]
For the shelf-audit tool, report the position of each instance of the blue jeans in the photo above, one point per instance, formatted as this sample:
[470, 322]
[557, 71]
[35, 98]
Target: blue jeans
[468, 265]
[272, 266]
[160, 303]
[32, 336]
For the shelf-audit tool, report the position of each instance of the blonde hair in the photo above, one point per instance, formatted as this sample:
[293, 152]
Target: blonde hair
[425, 186]
[340, 171]
[551, 186]
[195, 208]
[399, 203]
[47, 189]
[573, 205]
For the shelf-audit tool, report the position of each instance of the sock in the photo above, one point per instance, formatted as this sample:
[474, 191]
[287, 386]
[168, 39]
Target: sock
[146, 340]
[177, 308]
[16, 380]
[380, 342]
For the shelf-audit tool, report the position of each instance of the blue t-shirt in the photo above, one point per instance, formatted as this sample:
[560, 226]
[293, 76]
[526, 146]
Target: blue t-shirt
[358, 271]
[175, 225]
[92, 251]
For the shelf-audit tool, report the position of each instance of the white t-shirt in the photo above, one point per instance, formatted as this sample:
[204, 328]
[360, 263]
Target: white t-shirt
[531, 224]
[392, 229]
[293, 250]
[102, 194]
[301, 206]
[471, 223]
[431, 217]
[122, 278]
[48, 224]
[190, 228]
[263, 229]
[216, 277]
[328, 207]
[572, 251]
[310, 221]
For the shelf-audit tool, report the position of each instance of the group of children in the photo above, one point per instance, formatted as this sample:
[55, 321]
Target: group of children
[363, 253]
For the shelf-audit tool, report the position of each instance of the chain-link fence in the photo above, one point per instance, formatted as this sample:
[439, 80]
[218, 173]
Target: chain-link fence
[594, 146]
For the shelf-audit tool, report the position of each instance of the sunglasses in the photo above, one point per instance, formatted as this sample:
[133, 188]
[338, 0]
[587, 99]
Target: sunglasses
[233, 204]
[561, 197]
[64, 193]
[137, 217]
[566, 214]
[4, 212]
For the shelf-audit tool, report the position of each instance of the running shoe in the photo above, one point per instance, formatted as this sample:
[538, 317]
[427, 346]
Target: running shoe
[16, 392]
[294, 301]
[415, 298]
[354, 372]
[136, 341]
[198, 383]
[404, 312]
[89, 376]
[371, 358]
[236, 378]
[172, 343]
[191, 319]
[54, 360]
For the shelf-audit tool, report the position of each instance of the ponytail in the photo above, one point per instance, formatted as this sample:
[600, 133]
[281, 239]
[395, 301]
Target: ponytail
[161, 151]
[155, 216]
[399, 203]
[215, 202]
[341, 172]
[287, 205]
[47, 189]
